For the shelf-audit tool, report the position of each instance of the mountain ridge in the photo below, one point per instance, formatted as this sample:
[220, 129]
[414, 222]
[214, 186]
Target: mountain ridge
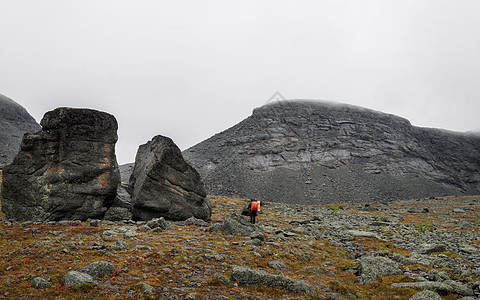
[320, 152]
[14, 122]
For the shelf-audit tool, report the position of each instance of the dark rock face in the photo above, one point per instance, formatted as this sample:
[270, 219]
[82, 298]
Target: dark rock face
[163, 184]
[14, 122]
[68, 170]
[321, 152]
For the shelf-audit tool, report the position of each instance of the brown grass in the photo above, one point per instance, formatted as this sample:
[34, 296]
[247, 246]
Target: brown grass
[181, 261]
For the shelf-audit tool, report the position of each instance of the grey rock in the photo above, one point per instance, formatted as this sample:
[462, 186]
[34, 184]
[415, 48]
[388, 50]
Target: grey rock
[144, 228]
[278, 265]
[98, 269]
[66, 171]
[196, 222]
[426, 295]
[459, 288]
[370, 267]
[432, 248]
[41, 282]
[117, 214]
[363, 233]
[312, 152]
[222, 279]
[235, 224]
[126, 171]
[145, 288]
[75, 278]
[157, 223]
[312, 270]
[94, 222]
[15, 121]
[191, 296]
[259, 235]
[163, 184]
[438, 287]
[252, 277]
[123, 198]
[120, 244]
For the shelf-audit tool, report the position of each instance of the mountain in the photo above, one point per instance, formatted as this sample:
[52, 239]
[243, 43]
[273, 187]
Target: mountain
[310, 152]
[14, 122]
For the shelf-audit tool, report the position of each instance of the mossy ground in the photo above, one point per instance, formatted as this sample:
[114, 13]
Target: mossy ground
[184, 260]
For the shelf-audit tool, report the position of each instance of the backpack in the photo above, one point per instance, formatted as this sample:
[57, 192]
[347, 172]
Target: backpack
[255, 206]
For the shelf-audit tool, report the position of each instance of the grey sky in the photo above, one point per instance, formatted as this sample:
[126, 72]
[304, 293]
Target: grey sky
[190, 69]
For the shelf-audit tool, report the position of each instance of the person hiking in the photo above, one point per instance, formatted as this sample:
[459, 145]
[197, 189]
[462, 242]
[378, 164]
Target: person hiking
[253, 207]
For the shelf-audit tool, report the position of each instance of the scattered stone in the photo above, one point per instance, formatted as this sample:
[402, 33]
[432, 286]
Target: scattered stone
[222, 279]
[252, 277]
[98, 269]
[235, 224]
[94, 222]
[145, 288]
[41, 282]
[157, 223]
[372, 266]
[144, 228]
[258, 235]
[196, 222]
[75, 278]
[362, 233]
[278, 265]
[438, 287]
[120, 244]
[116, 214]
[191, 296]
[312, 270]
[433, 248]
[163, 184]
[426, 295]
[458, 211]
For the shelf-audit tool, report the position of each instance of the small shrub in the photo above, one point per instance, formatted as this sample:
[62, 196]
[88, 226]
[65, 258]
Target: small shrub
[331, 207]
[424, 227]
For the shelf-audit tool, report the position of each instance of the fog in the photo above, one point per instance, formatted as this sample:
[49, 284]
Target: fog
[190, 69]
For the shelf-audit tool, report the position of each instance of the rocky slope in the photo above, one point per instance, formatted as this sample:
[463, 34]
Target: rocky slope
[14, 122]
[347, 251]
[321, 152]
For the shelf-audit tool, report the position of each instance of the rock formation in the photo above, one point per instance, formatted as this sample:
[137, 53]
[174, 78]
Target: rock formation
[67, 170]
[164, 185]
[14, 122]
[321, 152]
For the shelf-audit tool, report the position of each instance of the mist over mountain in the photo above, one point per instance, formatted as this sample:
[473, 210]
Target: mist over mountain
[14, 122]
[321, 152]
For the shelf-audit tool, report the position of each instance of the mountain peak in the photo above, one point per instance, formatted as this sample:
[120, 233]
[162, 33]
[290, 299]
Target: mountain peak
[319, 152]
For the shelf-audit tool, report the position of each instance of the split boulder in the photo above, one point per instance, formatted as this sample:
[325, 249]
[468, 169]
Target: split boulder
[66, 171]
[163, 184]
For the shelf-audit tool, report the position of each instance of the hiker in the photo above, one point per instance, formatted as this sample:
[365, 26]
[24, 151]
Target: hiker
[253, 207]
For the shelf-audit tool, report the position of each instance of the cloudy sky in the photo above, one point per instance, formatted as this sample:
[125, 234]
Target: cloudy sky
[190, 69]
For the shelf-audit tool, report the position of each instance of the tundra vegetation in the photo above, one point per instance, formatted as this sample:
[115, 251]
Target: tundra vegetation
[302, 251]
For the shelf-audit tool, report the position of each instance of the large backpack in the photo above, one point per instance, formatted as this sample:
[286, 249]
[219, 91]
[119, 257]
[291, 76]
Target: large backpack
[255, 206]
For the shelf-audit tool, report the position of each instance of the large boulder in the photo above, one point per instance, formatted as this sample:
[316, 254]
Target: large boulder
[163, 184]
[67, 170]
[14, 122]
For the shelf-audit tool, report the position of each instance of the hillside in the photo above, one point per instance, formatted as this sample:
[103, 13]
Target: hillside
[325, 251]
[321, 152]
[14, 122]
